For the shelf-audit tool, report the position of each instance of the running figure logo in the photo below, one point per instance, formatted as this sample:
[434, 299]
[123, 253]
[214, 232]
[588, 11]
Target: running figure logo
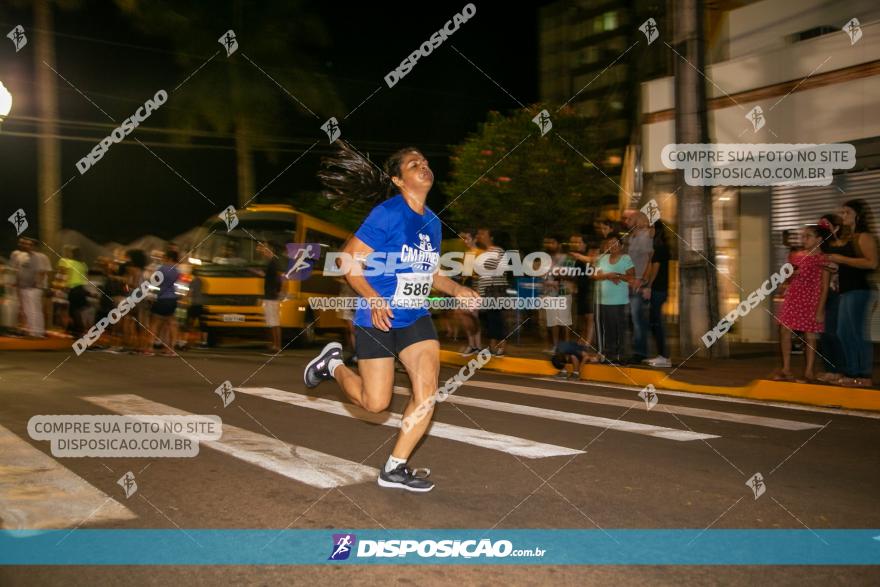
[128, 484]
[342, 545]
[229, 217]
[302, 260]
[649, 395]
[18, 38]
[652, 211]
[19, 221]
[853, 29]
[229, 42]
[756, 117]
[331, 127]
[225, 392]
[757, 485]
[543, 121]
[650, 29]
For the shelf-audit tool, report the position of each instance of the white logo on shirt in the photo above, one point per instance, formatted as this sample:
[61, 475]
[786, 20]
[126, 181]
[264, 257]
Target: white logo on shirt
[424, 258]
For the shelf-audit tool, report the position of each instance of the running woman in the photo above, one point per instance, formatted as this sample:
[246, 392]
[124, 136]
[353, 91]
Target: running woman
[403, 231]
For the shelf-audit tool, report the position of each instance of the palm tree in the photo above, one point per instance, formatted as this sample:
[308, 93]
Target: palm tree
[242, 94]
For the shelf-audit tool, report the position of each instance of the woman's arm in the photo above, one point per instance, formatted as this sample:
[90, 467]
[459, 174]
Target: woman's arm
[444, 284]
[358, 250]
[868, 246]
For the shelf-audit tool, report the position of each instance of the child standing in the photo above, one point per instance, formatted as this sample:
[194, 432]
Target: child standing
[803, 309]
[615, 271]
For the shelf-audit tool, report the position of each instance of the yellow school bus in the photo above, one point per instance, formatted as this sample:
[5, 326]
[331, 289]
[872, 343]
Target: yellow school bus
[228, 267]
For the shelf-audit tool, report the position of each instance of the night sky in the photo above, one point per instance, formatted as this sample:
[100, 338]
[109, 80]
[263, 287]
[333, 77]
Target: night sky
[130, 193]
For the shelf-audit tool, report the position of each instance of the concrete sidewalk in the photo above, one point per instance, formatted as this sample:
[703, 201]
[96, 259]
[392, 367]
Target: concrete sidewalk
[744, 375]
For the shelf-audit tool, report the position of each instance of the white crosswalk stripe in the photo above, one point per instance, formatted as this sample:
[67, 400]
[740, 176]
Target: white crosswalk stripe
[777, 423]
[295, 462]
[38, 492]
[727, 399]
[575, 418]
[501, 442]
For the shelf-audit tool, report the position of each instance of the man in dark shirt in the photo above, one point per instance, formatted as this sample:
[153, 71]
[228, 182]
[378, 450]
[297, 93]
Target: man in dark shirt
[658, 290]
[271, 293]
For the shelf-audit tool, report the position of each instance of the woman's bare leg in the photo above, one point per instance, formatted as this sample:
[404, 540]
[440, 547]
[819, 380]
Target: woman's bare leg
[422, 363]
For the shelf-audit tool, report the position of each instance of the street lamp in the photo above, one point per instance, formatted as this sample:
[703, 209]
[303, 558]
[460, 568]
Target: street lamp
[5, 102]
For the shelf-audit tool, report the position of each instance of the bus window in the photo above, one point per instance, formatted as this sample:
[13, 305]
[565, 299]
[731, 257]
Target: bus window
[328, 243]
[239, 246]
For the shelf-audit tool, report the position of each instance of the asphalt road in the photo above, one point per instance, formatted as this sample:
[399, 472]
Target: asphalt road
[580, 456]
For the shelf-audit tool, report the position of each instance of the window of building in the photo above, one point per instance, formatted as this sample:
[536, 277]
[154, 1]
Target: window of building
[609, 20]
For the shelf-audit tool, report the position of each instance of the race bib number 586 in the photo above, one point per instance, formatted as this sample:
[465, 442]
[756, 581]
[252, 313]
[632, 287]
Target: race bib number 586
[412, 289]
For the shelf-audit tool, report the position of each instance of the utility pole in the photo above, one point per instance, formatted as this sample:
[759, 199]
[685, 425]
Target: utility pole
[698, 291]
[48, 145]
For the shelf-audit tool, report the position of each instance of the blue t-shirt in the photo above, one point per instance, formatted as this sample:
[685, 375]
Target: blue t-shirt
[406, 248]
[610, 293]
[166, 288]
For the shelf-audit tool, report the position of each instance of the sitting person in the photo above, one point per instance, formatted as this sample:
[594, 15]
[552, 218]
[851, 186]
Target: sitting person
[574, 354]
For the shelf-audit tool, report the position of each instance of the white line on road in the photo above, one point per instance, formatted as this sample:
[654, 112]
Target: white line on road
[613, 401]
[514, 445]
[37, 492]
[730, 399]
[295, 462]
[575, 418]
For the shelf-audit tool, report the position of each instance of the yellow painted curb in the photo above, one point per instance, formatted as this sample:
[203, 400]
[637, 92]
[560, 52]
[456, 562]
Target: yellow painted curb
[33, 344]
[762, 389]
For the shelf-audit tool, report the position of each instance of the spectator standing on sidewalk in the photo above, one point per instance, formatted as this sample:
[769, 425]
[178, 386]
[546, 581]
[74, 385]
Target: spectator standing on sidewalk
[640, 248]
[28, 277]
[492, 284]
[615, 271]
[803, 309]
[855, 265]
[577, 250]
[469, 320]
[271, 293]
[657, 291]
[164, 310]
[135, 323]
[76, 272]
[558, 320]
[45, 273]
[830, 348]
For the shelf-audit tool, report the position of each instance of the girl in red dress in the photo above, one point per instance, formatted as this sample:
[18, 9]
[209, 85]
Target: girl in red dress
[803, 309]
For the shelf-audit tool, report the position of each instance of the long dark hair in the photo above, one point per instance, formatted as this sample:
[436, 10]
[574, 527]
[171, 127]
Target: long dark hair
[349, 176]
[823, 233]
[863, 215]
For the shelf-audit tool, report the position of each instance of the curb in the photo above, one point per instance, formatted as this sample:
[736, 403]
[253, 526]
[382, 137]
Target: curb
[34, 344]
[761, 389]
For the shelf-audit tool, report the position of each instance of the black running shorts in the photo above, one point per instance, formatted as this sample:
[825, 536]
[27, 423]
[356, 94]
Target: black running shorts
[372, 343]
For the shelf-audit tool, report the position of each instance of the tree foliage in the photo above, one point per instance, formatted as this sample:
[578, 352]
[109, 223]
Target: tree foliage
[508, 177]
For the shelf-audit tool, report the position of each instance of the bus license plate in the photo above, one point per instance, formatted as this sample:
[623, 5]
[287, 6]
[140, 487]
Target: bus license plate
[233, 317]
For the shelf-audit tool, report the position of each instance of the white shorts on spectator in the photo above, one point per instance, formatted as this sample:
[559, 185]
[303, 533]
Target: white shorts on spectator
[270, 313]
[561, 317]
[32, 306]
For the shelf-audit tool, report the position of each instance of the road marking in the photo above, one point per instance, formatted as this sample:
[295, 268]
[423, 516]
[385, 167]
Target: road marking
[729, 399]
[299, 463]
[38, 492]
[613, 401]
[575, 418]
[513, 445]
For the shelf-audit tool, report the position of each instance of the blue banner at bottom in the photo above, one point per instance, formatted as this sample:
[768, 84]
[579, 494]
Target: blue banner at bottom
[470, 547]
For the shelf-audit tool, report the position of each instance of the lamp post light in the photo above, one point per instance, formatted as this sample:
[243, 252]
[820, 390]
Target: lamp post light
[5, 102]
